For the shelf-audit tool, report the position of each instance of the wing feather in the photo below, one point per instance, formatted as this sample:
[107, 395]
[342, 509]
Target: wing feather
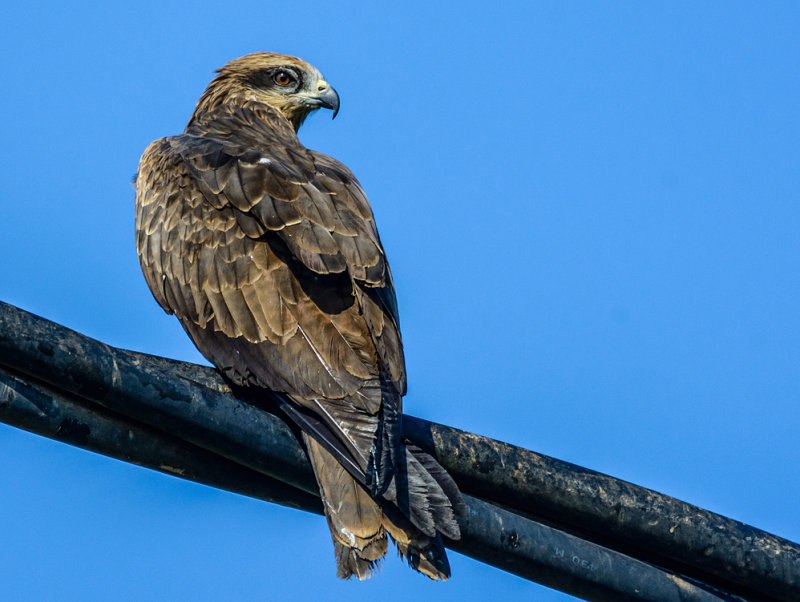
[243, 232]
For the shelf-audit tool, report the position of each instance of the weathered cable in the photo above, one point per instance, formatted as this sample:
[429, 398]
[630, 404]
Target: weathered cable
[490, 534]
[164, 394]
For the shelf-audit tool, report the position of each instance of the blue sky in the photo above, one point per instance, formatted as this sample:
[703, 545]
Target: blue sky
[591, 211]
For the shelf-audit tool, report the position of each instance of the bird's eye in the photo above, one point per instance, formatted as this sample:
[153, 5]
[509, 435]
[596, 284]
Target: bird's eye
[283, 78]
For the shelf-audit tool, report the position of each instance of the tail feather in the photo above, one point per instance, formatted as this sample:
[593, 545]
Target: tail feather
[425, 493]
[429, 559]
[375, 485]
[354, 519]
[349, 563]
[359, 524]
[455, 502]
[423, 553]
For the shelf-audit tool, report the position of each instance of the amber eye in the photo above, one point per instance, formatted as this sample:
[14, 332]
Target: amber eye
[282, 78]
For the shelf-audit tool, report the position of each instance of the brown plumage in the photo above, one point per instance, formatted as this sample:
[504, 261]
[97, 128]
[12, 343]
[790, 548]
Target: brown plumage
[268, 254]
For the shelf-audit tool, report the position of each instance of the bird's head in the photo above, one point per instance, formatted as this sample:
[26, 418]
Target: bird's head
[287, 83]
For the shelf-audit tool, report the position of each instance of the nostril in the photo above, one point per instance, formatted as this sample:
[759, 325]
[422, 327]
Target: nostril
[322, 87]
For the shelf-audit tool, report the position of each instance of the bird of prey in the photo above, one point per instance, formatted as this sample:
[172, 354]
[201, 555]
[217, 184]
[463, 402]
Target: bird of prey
[268, 254]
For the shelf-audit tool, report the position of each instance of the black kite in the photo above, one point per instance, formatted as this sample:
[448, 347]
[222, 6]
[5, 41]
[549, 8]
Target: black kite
[268, 254]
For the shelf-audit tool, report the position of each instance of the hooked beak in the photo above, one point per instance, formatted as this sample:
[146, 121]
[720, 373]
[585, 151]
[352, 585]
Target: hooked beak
[329, 99]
